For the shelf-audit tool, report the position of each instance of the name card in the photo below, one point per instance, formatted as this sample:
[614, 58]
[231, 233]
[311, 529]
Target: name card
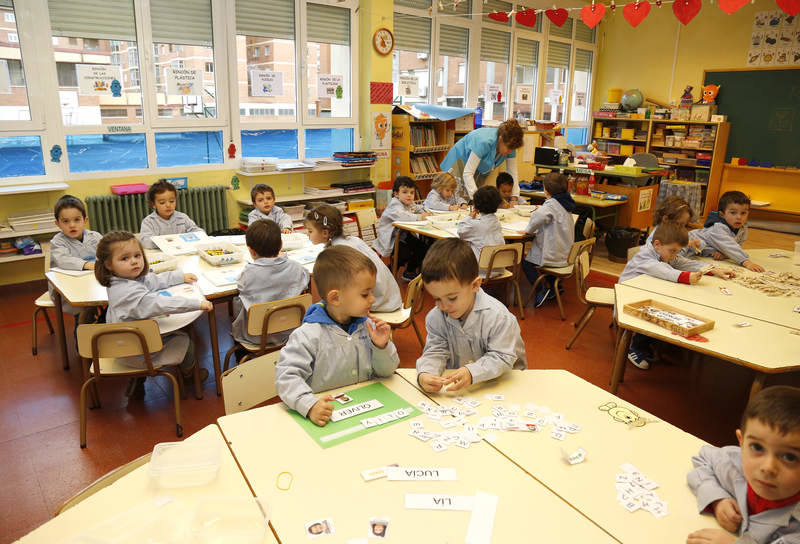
[429, 501]
[355, 410]
[420, 474]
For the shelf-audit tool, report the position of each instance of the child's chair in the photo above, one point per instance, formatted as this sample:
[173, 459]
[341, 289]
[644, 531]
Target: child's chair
[103, 344]
[249, 383]
[504, 261]
[367, 219]
[402, 318]
[42, 303]
[270, 318]
[591, 297]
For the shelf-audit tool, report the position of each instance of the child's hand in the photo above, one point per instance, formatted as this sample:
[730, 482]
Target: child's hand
[431, 382]
[724, 273]
[189, 278]
[381, 333]
[695, 244]
[425, 215]
[321, 412]
[694, 277]
[710, 536]
[459, 379]
[750, 265]
[453, 208]
[473, 214]
[728, 515]
[206, 306]
[88, 265]
[464, 206]
[286, 231]
[717, 256]
[505, 205]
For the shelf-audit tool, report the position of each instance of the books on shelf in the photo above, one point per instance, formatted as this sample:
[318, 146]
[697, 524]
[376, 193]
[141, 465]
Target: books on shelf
[423, 164]
[423, 136]
[320, 192]
[355, 158]
[294, 166]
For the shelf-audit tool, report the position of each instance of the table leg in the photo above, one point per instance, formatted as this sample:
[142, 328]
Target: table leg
[395, 254]
[62, 337]
[619, 360]
[758, 384]
[212, 329]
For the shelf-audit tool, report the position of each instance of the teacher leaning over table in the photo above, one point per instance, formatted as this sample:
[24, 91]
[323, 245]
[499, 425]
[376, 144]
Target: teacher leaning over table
[475, 155]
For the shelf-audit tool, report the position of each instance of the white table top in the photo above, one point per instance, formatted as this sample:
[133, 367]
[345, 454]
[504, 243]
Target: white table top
[513, 226]
[659, 450]
[328, 483]
[136, 488]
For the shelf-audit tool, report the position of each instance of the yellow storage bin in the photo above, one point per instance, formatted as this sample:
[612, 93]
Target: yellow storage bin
[626, 149]
[627, 133]
[360, 204]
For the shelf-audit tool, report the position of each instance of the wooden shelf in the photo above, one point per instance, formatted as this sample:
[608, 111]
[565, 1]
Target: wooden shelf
[426, 175]
[16, 233]
[675, 122]
[619, 119]
[32, 188]
[763, 169]
[683, 148]
[666, 165]
[304, 197]
[620, 139]
[429, 149]
[19, 257]
[324, 168]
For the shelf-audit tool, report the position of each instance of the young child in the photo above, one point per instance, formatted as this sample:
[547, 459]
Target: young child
[163, 198]
[555, 233]
[467, 330]
[676, 209]
[263, 197]
[335, 345]
[505, 185]
[753, 489]
[269, 277]
[725, 230]
[483, 227]
[402, 208]
[442, 196]
[661, 259]
[133, 295]
[325, 226]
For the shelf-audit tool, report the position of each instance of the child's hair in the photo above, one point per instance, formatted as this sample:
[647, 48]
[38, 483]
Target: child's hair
[671, 232]
[450, 259]
[69, 201]
[326, 217]
[777, 406]
[264, 237]
[105, 251]
[671, 209]
[511, 133]
[487, 199]
[403, 181]
[161, 186]
[444, 180]
[504, 178]
[260, 188]
[732, 197]
[555, 183]
[336, 267]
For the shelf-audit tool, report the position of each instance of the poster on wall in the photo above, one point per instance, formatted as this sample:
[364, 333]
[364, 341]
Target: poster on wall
[494, 92]
[330, 85]
[524, 94]
[645, 200]
[99, 79]
[266, 83]
[774, 40]
[5, 79]
[184, 81]
[381, 130]
[409, 86]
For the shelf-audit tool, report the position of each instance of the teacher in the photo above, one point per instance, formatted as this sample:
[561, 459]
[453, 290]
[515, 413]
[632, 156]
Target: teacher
[475, 155]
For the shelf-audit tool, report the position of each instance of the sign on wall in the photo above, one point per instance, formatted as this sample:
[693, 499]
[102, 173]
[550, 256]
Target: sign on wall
[184, 81]
[99, 79]
[266, 83]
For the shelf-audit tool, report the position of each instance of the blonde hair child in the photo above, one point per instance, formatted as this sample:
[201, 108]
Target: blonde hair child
[442, 196]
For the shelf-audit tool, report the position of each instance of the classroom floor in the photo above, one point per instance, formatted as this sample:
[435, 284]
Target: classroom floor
[43, 464]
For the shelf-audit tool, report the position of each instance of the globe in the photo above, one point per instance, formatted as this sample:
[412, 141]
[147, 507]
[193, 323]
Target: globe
[632, 99]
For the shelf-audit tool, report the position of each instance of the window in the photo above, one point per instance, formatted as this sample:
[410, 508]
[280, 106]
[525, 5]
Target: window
[176, 64]
[582, 73]
[584, 33]
[410, 64]
[187, 148]
[91, 44]
[328, 61]
[9, 17]
[323, 142]
[490, 6]
[15, 74]
[67, 77]
[267, 50]
[21, 156]
[106, 152]
[135, 77]
[256, 52]
[452, 63]
[209, 67]
[281, 144]
[525, 73]
[13, 91]
[556, 81]
[493, 87]
[563, 31]
[462, 73]
[13, 37]
[113, 112]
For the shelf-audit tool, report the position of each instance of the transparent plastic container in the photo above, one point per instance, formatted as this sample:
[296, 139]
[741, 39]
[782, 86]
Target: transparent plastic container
[229, 520]
[219, 253]
[184, 464]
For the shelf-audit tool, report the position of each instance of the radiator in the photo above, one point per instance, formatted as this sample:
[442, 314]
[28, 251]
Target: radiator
[207, 206]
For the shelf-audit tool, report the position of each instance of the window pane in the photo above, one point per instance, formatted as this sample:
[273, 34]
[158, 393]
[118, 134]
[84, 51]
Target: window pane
[495, 46]
[21, 156]
[579, 109]
[328, 61]
[410, 58]
[419, 4]
[183, 50]
[583, 32]
[525, 76]
[577, 136]
[105, 152]
[95, 45]
[491, 6]
[186, 148]
[556, 81]
[451, 82]
[281, 144]
[563, 31]
[13, 93]
[323, 142]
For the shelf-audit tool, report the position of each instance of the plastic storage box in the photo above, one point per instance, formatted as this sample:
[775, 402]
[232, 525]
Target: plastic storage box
[184, 464]
[360, 204]
[259, 164]
[294, 240]
[296, 211]
[161, 262]
[219, 253]
[129, 189]
[239, 520]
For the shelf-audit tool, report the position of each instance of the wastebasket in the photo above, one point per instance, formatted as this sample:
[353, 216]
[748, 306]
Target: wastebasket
[619, 240]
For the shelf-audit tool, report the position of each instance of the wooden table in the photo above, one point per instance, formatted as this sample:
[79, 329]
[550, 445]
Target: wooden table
[659, 450]
[599, 173]
[135, 488]
[328, 483]
[587, 202]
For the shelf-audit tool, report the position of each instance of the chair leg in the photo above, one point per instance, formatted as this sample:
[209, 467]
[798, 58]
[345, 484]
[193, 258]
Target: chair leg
[584, 322]
[519, 299]
[533, 290]
[198, 386]
[34, 338]
[176, 400]
[47, 320]
[84, 410]
[230, 308]
[586, 311]
[419, 335]
[558, 299]
[181, 385]
[228, 356]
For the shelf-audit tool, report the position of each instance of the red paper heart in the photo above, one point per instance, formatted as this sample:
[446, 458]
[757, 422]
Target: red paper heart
[592, 14]
[729, 6]
[792, 7]
[685, 10]
[500, 16]
[557, 16]
[635, 13]
[527, 17]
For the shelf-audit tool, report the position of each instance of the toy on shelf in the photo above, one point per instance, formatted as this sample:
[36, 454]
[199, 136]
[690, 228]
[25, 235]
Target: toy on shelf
[710, 92]
[686, 98]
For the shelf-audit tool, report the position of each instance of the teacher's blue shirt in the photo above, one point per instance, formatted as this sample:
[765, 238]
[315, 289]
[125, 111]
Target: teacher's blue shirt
[482, 142]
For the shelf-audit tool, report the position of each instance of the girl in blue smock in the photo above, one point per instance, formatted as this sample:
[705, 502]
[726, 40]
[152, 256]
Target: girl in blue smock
[475, 155]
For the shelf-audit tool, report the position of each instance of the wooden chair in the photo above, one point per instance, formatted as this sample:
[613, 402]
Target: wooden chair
[592, 297]
[560, 273]
[270, 318]
[632, 251]
[41, 304]
[402, 318]
[504, 259]
[103, 344]
[249, 383]
[367, 219]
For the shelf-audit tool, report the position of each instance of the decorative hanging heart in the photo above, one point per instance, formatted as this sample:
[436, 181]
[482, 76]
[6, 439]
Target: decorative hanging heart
[636, 12]
[792, 7]
[592, 14]
[527, 17]
[729, 6]
[685, 10]
[500, 16]
[557, 16]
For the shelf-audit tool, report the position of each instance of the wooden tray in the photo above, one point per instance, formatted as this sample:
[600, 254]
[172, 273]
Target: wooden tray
[683, 327]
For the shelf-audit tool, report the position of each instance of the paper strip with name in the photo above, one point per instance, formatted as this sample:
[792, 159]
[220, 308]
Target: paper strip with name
[420, 474]
[429, 501]
[355, 410]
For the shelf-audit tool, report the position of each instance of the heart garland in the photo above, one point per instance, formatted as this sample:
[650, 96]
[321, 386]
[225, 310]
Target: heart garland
[635, 12]
[557, 16]
[592, 14]
[792, 7]
[730, 6]
[685, 10]
[527, 17]
[499, 16]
